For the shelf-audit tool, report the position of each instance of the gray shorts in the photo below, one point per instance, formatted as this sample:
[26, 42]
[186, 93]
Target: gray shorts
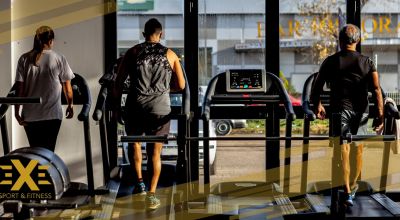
[352, 122]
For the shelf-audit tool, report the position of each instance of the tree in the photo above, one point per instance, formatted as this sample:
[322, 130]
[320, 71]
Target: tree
[322, 17]
[325, 18]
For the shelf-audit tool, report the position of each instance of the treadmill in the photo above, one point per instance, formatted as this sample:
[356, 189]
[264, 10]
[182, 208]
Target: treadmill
[368, 203]
[246, 94]
[174, 171]
[67, 194]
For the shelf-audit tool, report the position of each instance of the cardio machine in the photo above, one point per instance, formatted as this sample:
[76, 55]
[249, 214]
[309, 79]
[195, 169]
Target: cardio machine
[175, 172]
[322, 197]
[245, 94]
[63, 193]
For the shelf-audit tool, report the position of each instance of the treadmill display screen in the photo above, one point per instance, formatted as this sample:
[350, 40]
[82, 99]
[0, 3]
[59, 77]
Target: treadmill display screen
[245, 81]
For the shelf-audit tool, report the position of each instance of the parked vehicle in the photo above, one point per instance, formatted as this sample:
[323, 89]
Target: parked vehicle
[225, 126]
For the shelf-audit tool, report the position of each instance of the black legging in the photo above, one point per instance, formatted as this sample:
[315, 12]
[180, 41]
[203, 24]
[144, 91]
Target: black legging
[43, 133]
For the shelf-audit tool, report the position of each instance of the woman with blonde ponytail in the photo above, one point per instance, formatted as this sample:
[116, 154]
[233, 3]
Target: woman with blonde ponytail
[42, 72]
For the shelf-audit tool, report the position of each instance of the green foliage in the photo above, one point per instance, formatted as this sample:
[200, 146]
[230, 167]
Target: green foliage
[289, 87]
[258, 126]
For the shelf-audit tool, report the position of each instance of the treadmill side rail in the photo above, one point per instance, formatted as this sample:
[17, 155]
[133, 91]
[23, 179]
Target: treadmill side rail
[317, 203]
[386, 202]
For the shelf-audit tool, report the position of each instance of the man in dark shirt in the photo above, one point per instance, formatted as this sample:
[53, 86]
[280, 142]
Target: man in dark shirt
[349, 75]
[153, 70]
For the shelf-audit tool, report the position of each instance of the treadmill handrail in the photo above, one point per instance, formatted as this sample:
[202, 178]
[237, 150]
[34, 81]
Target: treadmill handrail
[392, 110]
[20, 100]
[5, 102]
[205, 109]
[12, 95]
[306, 102]
[290, 115]
[85, 97]
[185, 96]
[100, 103]
[305, 98]
[238, 99]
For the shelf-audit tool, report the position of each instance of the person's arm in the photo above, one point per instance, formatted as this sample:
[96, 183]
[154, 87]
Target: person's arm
[20, 88]
[122, 74]
[66, 75]
[378, 123]
[178, 79]
[19, 92]
[67, 89]
[316, 91]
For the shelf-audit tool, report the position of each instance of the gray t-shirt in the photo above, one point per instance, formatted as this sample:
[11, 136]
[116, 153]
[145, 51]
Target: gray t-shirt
[43, 80]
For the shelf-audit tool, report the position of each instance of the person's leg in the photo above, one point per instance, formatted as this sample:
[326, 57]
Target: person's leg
[137, 159]
[346, 119]
[359, 161]
[43, 133]
[346, 166]
[32, 130]
[160, 127]
[360, 128]
[51, 128]
[134, 126]
[154, 164]
[346, 122]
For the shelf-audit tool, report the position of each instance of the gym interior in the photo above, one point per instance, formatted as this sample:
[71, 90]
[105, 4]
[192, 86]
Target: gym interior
[271, 158]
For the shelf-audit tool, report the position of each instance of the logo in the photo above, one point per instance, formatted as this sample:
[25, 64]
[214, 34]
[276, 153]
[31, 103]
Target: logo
[24, 175]
[24, 179]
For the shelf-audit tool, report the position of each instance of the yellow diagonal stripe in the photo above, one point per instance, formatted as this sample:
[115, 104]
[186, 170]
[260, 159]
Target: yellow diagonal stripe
[6, 167]
[27, 15]
[28, 8]
[6, 182]
[43, 182]
[43, 167]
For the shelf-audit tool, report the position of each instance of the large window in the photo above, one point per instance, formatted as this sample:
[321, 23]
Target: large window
[133, 14]
[232, 36]
[380, 41]
[308, 34]
[226, 30]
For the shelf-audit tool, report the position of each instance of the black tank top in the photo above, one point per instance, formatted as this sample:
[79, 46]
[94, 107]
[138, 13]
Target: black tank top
[150, 80]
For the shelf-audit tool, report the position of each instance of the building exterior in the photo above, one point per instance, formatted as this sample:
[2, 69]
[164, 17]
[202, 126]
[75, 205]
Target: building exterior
[231, 34]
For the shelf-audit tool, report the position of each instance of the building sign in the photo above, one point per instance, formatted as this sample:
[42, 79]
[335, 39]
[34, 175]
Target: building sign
[135, 5]
[381, 25]
[283, 44]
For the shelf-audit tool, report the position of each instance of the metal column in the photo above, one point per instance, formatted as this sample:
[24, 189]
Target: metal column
[272, 50]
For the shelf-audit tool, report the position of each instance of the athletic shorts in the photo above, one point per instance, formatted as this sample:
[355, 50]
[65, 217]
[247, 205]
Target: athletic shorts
[145, 123]
[353, 122]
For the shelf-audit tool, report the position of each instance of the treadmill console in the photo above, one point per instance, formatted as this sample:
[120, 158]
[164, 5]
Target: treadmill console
[246, 81]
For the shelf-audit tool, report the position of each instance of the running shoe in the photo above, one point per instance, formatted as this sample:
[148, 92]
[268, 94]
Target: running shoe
[140, 189]
[349, 200]
[152, 202]
[353, 192]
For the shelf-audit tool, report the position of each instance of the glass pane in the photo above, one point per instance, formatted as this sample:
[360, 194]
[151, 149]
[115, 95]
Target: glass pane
[308, 31]
[229, 38]
[380, 41]
[133, 14]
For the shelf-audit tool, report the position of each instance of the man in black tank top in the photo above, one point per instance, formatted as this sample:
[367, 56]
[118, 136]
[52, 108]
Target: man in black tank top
[349, 75]
[153, 70]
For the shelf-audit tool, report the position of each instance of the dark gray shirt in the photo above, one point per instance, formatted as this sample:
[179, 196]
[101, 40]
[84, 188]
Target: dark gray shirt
[150, 75]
